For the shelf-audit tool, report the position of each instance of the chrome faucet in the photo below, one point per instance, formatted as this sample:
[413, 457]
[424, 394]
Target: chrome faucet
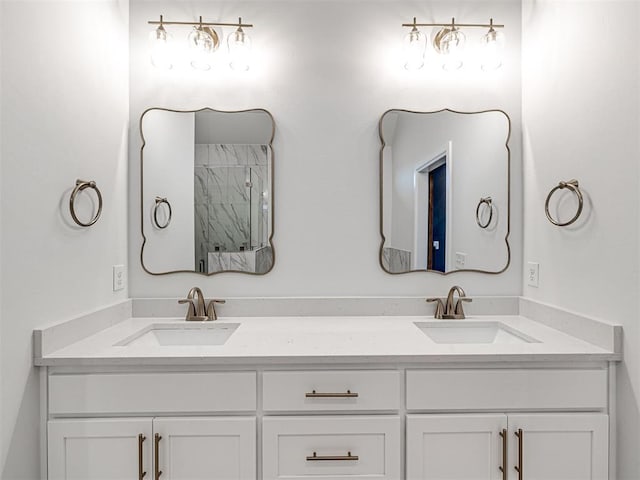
[198, 310]
[447, 310]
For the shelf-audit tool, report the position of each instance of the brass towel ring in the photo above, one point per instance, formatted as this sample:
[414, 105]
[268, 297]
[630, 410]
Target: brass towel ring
[489, 203]
[160, 201]
[80, 186]
[574, 186]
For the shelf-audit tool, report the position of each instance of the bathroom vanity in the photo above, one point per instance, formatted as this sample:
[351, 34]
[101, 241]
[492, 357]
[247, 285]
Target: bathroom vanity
[388, 397]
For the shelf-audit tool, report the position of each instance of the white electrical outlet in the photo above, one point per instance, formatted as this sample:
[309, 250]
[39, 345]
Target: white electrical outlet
[533, 272]
[461, 259]
[119, 278]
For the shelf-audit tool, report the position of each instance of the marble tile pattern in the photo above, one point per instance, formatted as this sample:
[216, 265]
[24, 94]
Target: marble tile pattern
[395, 260]
[231, 184]
[264, 259]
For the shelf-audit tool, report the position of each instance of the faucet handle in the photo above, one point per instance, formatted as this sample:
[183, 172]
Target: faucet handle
[439, 307]
[458, 309]
[191, 310]
[211, 308]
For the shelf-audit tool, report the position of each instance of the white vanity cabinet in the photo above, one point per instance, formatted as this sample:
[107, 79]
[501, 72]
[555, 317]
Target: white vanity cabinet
[390, 422]
[99, 449]
[119, 425]
[465, 445]
[498, 447]
[174, 448]
[337, 437]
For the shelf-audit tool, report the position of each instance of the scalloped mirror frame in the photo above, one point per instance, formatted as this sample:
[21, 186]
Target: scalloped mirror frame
[381, 186]
[271, 195]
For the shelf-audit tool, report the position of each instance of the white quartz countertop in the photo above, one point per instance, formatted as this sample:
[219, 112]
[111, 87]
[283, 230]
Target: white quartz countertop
[324, 340]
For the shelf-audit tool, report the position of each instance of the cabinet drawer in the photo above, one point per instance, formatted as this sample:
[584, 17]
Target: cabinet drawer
[150, 393]
[331, 447]
[334, 390]
[507, 389]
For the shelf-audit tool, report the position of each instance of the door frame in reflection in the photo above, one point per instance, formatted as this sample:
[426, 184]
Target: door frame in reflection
[421, 206]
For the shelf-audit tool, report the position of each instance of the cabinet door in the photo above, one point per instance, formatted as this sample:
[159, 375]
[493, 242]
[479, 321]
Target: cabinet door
[99, 449]
[206, 448]
[560, 446]
[455, 447]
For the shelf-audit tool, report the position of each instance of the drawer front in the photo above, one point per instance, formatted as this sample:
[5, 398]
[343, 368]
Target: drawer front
[149, 393]
[331, 447]
[506, 389]
[334, 390]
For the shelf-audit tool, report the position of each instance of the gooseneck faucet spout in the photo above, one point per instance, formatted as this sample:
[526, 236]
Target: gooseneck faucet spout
[447, 309]
[196, 310]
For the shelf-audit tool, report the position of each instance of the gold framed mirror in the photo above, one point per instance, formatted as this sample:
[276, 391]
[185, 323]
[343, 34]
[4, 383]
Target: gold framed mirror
[445, 191]
[206, 183]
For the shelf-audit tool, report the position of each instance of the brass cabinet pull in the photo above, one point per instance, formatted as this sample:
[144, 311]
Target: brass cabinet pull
[141, 472]
[503, 467]
[347, 394]
[518, 468]
[156, 454]
[315, 457]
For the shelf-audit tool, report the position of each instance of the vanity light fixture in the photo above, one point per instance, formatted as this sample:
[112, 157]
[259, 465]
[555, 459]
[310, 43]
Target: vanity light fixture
[449, 42]
[415, 43]
[161, 43]
[203, 41]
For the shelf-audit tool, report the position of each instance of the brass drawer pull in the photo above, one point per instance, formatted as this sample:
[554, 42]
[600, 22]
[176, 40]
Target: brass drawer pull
[520, 435]
[157, 471]
[347, 394]
[315, 457]
[503, 467]
[141, 472]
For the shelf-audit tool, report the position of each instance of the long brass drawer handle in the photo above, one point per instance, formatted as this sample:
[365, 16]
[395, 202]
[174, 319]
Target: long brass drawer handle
[141, 472]
[503, 467]
[315, 457]
[520, 436]
[347, 394]
[157, 471]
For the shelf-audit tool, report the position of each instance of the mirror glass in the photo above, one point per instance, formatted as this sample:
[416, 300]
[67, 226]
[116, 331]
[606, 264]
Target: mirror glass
[207, 187]
[444, 191]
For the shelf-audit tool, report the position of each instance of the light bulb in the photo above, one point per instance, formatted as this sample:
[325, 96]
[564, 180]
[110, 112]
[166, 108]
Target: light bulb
[161, 48]
[414, 47]
[492, 49]
[452, 49]
[203, 41]
[239, 49]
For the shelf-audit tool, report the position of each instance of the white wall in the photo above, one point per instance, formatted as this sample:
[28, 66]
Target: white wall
[169, 155]
[581, 107]
[64, 116]
[327, 71]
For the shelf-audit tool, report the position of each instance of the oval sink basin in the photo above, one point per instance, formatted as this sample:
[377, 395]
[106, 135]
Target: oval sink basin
[475, 332]
[168, 334]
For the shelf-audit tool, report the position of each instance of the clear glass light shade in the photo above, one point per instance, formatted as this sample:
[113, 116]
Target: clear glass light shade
[161, 44]
[239, 50]
[201, 47]
[415, 43]
[492, 46]
[452, 49]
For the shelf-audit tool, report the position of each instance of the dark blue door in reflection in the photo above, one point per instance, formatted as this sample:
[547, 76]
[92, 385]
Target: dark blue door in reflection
[438, 217]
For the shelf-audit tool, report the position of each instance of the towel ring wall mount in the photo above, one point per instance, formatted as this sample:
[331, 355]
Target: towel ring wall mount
[159, 201]
[574, 186]
[489, 203]
[80, 186]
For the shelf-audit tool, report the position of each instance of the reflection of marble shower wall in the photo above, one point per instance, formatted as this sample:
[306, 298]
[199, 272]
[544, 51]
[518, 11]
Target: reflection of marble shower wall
[228, 217]
[395, 260]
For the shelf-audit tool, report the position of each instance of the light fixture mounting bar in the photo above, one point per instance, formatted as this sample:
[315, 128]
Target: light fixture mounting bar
[478, 25]
[205, 24]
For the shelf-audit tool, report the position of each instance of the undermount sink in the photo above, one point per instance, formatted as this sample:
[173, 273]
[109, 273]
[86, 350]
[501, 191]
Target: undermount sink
[170, 334]
[472, 333]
